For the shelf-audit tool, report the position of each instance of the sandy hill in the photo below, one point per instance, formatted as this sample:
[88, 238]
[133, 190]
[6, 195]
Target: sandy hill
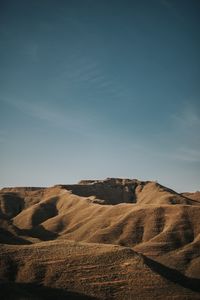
[98, 270]
[142, 229]
[194, 196]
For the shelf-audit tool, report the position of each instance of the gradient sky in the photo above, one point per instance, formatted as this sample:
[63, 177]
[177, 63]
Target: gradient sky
[100, 88]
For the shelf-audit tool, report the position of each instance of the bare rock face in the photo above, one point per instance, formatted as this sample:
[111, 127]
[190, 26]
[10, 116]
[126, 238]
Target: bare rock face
[116, 190]
[111, 190]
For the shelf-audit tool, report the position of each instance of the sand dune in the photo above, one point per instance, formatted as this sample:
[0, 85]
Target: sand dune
[104, 220]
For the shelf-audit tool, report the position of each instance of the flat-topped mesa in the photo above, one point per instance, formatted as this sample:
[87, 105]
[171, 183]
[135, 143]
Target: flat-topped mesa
[110, 190]
[118, 190]
[83, 182]
[109, 180]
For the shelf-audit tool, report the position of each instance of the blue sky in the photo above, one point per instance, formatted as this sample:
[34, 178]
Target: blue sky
[96, 89]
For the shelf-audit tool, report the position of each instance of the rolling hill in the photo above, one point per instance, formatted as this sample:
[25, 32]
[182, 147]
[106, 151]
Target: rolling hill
[109, 239]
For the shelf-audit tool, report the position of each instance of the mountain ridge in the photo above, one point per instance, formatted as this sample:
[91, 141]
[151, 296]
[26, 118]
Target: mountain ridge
[145, 217]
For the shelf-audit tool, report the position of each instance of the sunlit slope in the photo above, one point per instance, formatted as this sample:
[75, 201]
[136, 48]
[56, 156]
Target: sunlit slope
[151, 219]
[103, 271]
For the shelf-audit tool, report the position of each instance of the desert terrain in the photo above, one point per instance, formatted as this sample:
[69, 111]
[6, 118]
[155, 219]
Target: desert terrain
[99, 239]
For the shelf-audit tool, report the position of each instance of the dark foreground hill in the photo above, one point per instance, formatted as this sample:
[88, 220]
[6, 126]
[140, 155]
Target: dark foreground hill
[110, 239]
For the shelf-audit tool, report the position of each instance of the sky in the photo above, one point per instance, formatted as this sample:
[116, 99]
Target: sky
[91, 89]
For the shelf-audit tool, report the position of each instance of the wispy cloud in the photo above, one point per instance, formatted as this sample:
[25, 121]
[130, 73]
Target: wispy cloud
[186, 128]
[180, 141]
[66, 119]
[188, 117]
[87, 72]
[186, 155]
[85, 66]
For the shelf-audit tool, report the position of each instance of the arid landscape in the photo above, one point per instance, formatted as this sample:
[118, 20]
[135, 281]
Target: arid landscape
[99, 149]
[99, 239]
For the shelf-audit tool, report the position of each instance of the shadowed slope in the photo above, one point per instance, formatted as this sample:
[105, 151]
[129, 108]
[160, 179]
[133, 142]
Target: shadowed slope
[104, 271]
[31, 291]
[151, 219]
[10, 204]
[109, 191]
[116, 190]
[156, 231]
[194, 196]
